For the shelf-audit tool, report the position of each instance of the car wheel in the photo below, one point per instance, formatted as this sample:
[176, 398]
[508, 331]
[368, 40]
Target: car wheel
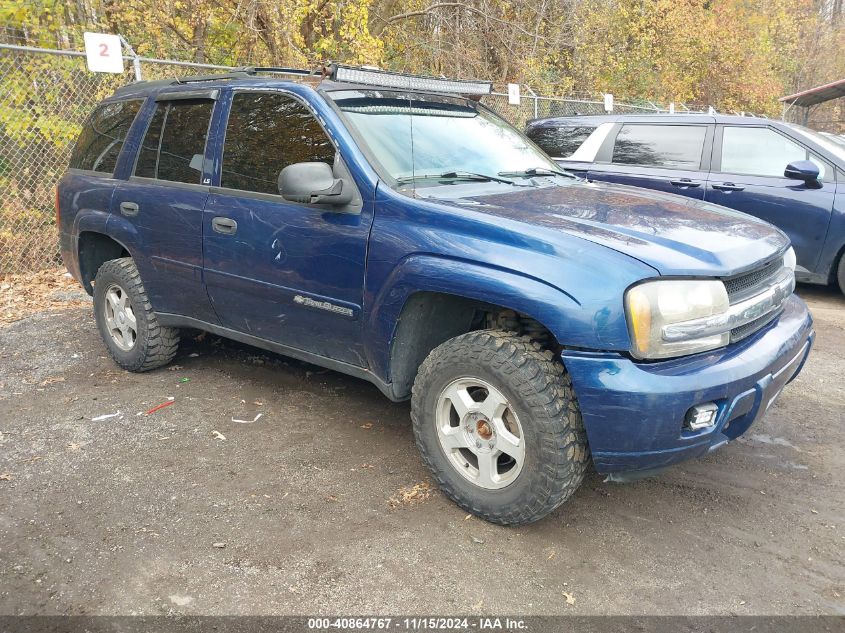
[497, 422]
[840, 273]
[126, 319]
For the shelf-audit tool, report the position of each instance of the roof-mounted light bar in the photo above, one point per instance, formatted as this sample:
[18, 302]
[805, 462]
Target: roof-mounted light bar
[385, 79]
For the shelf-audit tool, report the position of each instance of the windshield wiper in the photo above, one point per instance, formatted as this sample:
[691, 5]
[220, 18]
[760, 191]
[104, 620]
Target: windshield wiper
[455, 175]
[536, 171]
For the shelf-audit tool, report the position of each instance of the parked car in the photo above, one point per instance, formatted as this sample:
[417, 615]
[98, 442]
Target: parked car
[782, 173]
[397, 231]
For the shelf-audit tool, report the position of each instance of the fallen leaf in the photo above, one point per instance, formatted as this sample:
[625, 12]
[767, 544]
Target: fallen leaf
[551, 556]
[367, 425]
[332, 498]
[6, 477]
[570, 599]
[218, 435]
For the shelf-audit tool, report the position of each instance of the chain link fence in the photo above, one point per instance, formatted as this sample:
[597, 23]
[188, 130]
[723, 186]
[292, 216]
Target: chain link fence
[45, 98]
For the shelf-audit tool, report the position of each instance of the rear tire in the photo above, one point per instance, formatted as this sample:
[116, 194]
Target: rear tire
[127, 323]
[497, 422]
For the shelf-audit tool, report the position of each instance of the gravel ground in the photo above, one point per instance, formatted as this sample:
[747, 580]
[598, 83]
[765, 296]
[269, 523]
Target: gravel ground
[322, 504]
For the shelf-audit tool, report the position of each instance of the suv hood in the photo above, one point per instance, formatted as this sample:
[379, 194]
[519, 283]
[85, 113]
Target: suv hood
[671, 233]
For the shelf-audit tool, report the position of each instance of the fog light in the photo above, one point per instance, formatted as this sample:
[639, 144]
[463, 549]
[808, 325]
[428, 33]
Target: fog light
[701, 416]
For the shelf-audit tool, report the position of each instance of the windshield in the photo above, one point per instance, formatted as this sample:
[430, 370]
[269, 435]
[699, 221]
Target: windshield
[414, 137]
[830, 145]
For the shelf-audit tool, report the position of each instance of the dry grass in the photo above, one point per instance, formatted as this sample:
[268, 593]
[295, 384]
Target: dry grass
[408, 495]
[24, 294]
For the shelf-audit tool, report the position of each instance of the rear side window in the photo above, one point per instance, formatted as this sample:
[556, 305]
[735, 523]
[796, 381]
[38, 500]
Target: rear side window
[267, 132]
[670, 146]
[101, 140]
[560, 142]
[174, 146]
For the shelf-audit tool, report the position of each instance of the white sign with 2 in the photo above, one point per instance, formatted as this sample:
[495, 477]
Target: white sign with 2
[103, 52]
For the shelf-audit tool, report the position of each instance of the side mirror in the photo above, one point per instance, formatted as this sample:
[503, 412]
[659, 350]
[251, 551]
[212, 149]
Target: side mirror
[313, 183]
[805, 170]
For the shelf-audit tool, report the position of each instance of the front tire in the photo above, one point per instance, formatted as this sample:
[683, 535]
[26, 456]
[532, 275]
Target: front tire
[497, 422]
[127, 323]
[840, 273]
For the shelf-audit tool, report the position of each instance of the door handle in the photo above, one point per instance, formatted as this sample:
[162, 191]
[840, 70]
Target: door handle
[129, 209]
[226, 226]
[686, 182]
[728, 186]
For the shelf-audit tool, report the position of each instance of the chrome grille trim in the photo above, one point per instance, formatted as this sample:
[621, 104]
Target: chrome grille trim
[739, 315]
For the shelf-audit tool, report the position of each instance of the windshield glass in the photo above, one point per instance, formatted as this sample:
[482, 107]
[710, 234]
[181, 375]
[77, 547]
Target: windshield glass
[831, 146]
[424, 136]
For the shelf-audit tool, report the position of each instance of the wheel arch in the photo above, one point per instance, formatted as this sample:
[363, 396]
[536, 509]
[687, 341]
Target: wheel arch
[93, 250]
[427, 300]
[429, 319]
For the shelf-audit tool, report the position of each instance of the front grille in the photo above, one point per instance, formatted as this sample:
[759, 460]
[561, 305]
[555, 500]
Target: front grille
[744, 331]
[747, 285]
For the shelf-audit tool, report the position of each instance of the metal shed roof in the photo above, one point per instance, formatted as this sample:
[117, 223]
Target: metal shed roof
[816, 95]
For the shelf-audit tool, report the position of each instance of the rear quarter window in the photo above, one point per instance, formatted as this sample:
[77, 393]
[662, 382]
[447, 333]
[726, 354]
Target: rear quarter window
[173, 147]
[102, 137]
[560, 141]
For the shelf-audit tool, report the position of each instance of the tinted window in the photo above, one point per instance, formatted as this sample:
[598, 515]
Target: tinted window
[757, 151]
[174, 145]
[102, 137]
[673, 146]
[560, 142]
[267, 132]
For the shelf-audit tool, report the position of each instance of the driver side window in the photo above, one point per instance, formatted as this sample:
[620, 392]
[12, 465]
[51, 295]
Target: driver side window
[265, 133]
[757, 151]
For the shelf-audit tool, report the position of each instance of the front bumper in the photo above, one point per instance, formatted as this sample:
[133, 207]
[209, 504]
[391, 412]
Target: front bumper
[634, 412]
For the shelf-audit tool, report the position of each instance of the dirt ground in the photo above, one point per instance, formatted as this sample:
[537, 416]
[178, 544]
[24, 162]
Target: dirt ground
[322, 505]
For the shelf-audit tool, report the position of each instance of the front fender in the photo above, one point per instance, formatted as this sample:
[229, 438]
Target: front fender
[571, 322]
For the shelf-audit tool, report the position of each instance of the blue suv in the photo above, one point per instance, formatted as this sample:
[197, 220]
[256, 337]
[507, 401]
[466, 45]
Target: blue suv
[392, 228]
[785, 174]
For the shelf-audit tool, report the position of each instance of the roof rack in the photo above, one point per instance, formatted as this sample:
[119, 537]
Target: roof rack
[366, 75]
[235, 74]
[245, 72]
[280, 70]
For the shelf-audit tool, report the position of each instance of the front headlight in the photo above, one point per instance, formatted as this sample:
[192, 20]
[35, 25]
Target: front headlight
[789, 260]
[653, 305]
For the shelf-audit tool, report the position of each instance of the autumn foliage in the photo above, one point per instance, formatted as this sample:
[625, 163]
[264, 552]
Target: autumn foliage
[733, 54]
